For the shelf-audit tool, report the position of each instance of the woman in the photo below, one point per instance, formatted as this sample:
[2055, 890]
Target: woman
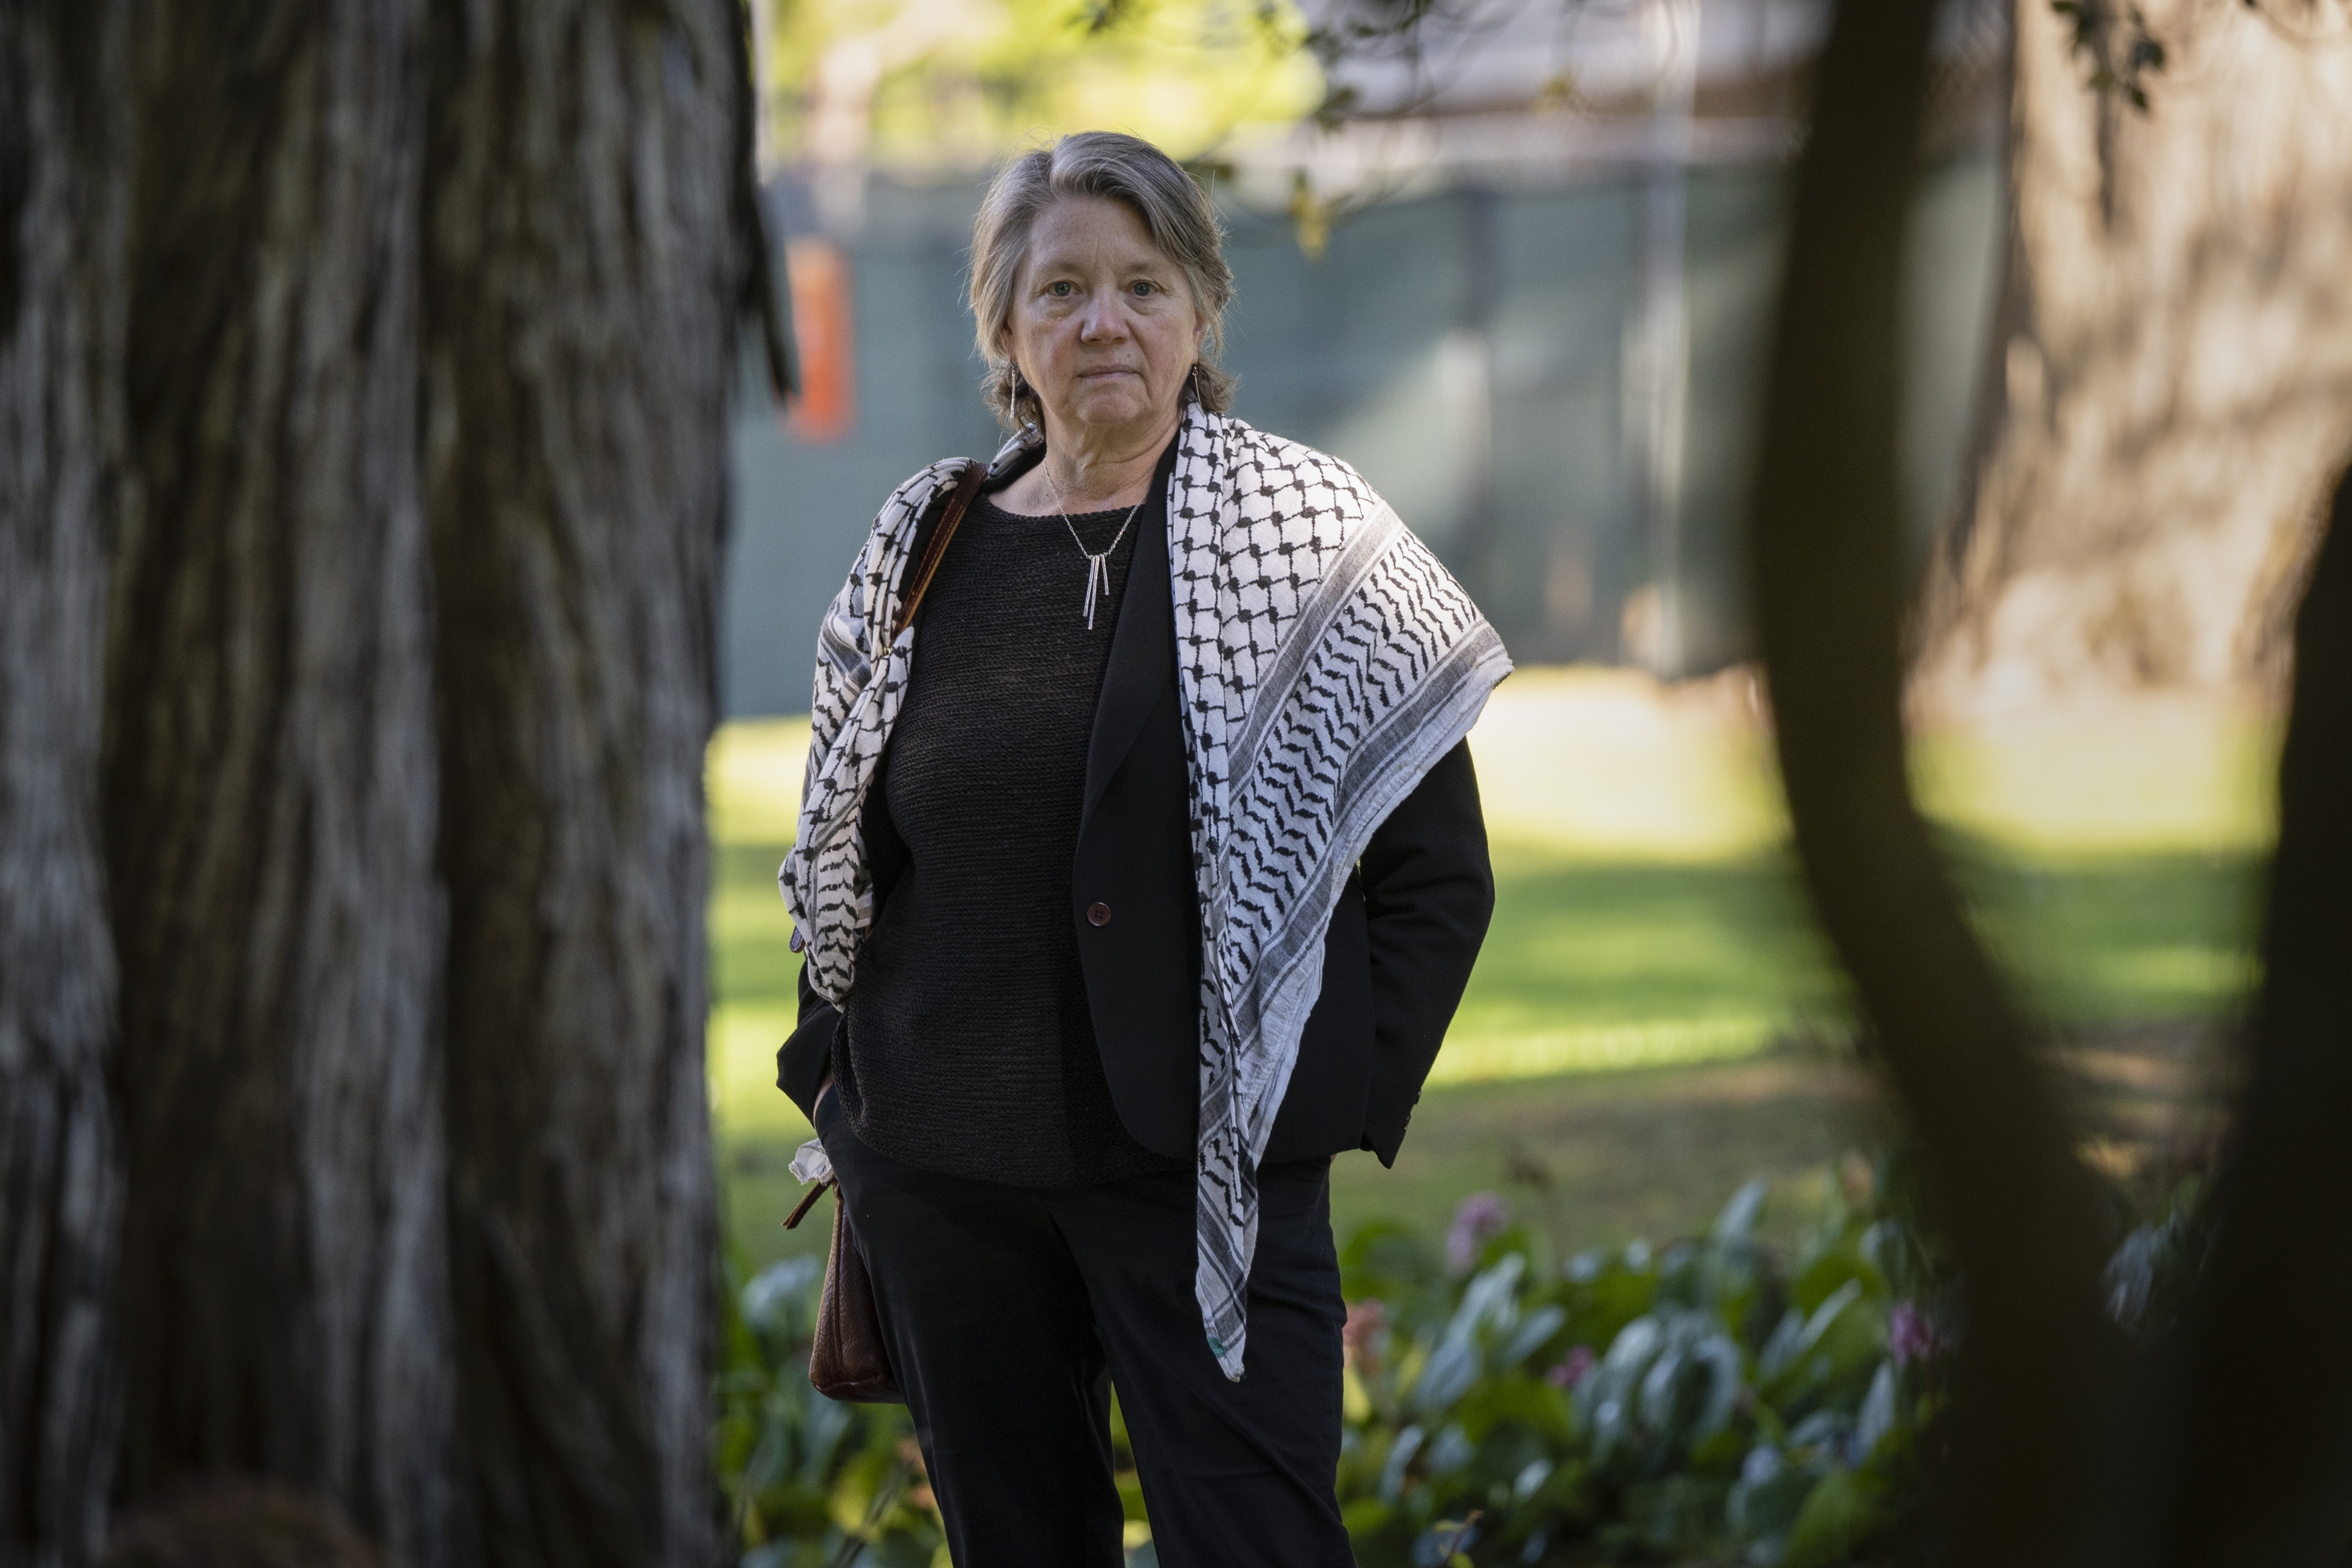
[1151, 884]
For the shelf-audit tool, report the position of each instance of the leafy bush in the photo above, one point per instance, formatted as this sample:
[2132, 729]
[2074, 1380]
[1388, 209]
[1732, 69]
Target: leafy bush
[1699, 1401]
[1708, 1401]
[809, 1482]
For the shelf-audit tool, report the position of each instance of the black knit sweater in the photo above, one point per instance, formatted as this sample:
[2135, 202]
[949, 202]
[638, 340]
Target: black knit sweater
[966, 1047]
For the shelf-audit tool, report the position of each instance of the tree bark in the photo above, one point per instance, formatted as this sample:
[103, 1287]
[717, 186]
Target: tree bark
[63, 184]
[1825, 520]
[586, 264]
[270, 785]
[2174, 374]
[2262, 1445]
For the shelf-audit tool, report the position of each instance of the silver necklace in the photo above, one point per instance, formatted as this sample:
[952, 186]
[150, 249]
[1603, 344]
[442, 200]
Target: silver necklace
[1098, 566]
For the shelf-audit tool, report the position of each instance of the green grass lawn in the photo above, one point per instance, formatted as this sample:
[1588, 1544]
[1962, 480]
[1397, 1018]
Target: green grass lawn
[1623, 1057]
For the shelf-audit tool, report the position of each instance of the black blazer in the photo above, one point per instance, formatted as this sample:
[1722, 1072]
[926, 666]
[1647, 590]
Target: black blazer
[1396, 956]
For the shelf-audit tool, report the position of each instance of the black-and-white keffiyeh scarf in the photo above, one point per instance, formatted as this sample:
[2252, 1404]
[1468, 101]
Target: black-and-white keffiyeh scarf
[1325, 660]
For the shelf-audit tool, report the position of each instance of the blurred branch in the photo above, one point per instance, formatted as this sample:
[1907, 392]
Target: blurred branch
[1825, 520]
[764, 299]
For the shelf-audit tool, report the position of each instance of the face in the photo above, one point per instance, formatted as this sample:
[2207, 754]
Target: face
[1102, 325]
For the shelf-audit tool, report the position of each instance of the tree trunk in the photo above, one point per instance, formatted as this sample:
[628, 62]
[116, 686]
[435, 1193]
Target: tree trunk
[2174, 374]
[2262, 1445]
[270, 781]
[1825, 520]
[586, 263]
[63, 174]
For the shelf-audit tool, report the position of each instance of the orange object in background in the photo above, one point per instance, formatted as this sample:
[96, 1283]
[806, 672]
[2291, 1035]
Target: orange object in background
[826, 409]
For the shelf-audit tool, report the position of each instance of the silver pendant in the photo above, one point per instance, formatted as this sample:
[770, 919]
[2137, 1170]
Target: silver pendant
[1097, 583]
[1098, 566]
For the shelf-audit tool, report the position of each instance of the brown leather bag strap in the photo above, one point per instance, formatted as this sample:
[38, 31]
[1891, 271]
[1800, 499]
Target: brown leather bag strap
[966, 488]
[808, 1202]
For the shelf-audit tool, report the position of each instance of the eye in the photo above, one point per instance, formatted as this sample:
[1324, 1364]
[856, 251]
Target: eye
[1061, 289]
[1145, 289]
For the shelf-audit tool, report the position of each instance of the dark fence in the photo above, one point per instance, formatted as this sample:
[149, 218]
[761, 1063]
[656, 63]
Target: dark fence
[1471, 351]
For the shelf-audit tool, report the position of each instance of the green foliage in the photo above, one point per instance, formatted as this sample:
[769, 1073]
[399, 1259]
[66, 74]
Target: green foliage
[1709, 1400]
[954, 86]
[810, 1483]
[2150, 1276]
[1705, 1400]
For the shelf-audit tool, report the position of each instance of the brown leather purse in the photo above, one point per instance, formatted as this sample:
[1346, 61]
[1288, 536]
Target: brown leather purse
[849, 1361]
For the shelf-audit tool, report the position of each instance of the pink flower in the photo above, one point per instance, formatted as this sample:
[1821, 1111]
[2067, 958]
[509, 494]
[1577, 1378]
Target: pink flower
[1481, 1215]
[1910, 1336]
[1574, 1370]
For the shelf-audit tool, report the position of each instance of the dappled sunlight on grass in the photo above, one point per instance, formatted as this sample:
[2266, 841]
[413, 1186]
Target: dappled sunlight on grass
[1581, 763]
[2106, 938]
[1599, 1159]
[1649, 940]
[2132, 776]
[752, 777]
[1534, 1051]
[1646, 911]
[744, 1093]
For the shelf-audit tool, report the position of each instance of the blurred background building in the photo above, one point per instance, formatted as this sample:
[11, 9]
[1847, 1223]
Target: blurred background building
[1515, 266]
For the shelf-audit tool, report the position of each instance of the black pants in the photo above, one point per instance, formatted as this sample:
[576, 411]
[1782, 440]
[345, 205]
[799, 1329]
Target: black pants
[1009, 1313]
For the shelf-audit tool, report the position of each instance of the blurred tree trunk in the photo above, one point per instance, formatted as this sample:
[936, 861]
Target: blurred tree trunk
[2262, 1447]
[271, 778]
[63, 169]
[587, 259]
[1825, 521]
[2173, 369]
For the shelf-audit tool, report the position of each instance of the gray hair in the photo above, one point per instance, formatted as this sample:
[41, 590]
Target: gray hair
[1113, 167]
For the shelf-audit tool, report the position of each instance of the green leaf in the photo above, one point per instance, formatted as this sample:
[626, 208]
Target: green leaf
[1677, 1515]
[1491, 1299]
[1603, 1295]
[1525, 1401]
[1570, 1492]
[1771, 1493]
[1366, 1516]
[1607, 1400]
[1737, 1221]
[1841, 1513]
[1453, 1367]
[1877, 1421]
[1387, 1258]
[1829, 1358]
[1533, 1331]
[1836, 1267]
[1400, 1459]
[1451, 1452]
[1719, 1452]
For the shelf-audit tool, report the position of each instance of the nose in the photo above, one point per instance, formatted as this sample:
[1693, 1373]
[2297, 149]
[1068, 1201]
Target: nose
[1103, 319]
